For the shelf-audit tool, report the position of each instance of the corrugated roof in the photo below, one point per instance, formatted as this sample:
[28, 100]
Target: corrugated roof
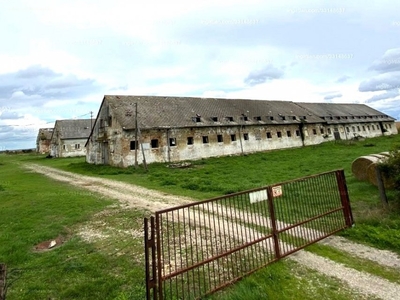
[71, 129]
[158, 111]
[345, 113]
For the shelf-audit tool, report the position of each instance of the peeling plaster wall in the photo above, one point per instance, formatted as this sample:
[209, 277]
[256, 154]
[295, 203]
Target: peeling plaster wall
[111, 144]
[68, 148]
[205, 143]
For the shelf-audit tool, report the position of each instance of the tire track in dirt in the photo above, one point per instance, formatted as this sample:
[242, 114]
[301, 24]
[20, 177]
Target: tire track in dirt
[139, 197]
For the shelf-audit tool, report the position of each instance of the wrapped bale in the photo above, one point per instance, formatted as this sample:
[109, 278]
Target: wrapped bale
[360, 165]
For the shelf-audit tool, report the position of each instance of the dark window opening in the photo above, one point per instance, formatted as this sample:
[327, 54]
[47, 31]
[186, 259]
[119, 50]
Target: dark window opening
[134, 145]
[215, 119]
[353, 128]
[109, 121]
[293, 117]
[77, 146]
[289, 134]
[279, 134]
[271, 118]
[358, 128]
[363, 128]
[369, 128]
[172, 141]
[246, 136]
[329, 131]
[197, 119]
[245, 118]
[205, 139]
[258, 118]
[314, 131]
[390, 125]
[233, 137]
[283, 118]
[219, 138]
[269, 136]
[373, 127]
[154, 143]
[321, 130]
[347, 129]
[297, 132]
[230, 119]
[190, 140]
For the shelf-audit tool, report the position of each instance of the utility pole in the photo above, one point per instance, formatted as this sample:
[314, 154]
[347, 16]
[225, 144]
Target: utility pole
[91, 125]
[136, 136]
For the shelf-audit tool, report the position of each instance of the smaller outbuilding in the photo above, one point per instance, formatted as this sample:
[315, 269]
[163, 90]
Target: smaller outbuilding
[69, 137]
[43, 140]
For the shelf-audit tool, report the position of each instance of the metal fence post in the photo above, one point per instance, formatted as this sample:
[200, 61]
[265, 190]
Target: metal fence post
[3, 272]
[149, 243]
[273, 222]
[344, 198]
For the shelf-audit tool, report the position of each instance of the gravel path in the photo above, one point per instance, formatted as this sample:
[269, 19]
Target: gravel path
[139, 197]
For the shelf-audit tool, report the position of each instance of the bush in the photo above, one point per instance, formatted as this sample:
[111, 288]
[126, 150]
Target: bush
[391, 168]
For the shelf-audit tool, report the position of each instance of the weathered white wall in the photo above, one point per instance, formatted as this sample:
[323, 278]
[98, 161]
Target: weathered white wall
[70, 150]
[110, 143]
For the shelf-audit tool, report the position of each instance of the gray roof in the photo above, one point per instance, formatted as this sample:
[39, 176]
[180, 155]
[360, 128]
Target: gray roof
[73, 129]
[45, 133]
[345, 113]
[159, 112]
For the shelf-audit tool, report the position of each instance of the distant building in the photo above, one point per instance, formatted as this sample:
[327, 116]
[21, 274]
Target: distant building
[171, 129]
[69, 137]
[43, 140]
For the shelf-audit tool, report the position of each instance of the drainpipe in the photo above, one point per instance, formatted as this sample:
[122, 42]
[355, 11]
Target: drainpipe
[169, 148]
[240, 138]
[301, 126]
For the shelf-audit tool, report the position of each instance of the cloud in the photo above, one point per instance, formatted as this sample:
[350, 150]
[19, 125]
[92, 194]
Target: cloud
[37, 84]
[330, 97]
[260, 76]
[381, 82]
[7, 115]
[389, 62]
[387, 95]
[342, 79]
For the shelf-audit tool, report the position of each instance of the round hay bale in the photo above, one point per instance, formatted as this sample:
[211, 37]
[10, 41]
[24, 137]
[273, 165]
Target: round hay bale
[387, 153]
[360, 165]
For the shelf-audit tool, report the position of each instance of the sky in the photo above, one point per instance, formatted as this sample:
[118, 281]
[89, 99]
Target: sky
[59, 58]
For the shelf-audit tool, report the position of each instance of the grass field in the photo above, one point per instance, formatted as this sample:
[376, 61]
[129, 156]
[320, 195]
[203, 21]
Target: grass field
[35, 209]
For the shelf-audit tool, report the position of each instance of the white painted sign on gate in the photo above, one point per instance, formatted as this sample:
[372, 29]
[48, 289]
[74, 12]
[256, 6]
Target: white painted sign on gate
[258, 196]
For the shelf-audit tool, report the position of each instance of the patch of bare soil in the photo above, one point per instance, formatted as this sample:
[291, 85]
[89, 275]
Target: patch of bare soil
[49, 245]
[139, 197]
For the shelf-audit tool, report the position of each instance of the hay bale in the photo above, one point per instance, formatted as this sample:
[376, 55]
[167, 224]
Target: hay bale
[360, 165]
[387, 153]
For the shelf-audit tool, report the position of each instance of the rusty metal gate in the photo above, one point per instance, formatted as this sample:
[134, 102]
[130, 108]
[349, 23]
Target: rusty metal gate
[196, 249]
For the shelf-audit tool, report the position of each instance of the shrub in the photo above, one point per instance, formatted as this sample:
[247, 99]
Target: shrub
[391, 168]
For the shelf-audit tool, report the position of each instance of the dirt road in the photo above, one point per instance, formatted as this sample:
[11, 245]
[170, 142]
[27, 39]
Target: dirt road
[138, 197]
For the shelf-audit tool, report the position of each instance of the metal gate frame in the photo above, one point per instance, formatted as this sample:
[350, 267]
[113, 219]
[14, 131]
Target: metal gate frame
[280, 238]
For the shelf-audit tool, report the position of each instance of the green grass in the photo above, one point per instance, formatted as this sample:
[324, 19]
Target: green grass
[356, 263]
[35, 208]
[207, 178]
[286, 280]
